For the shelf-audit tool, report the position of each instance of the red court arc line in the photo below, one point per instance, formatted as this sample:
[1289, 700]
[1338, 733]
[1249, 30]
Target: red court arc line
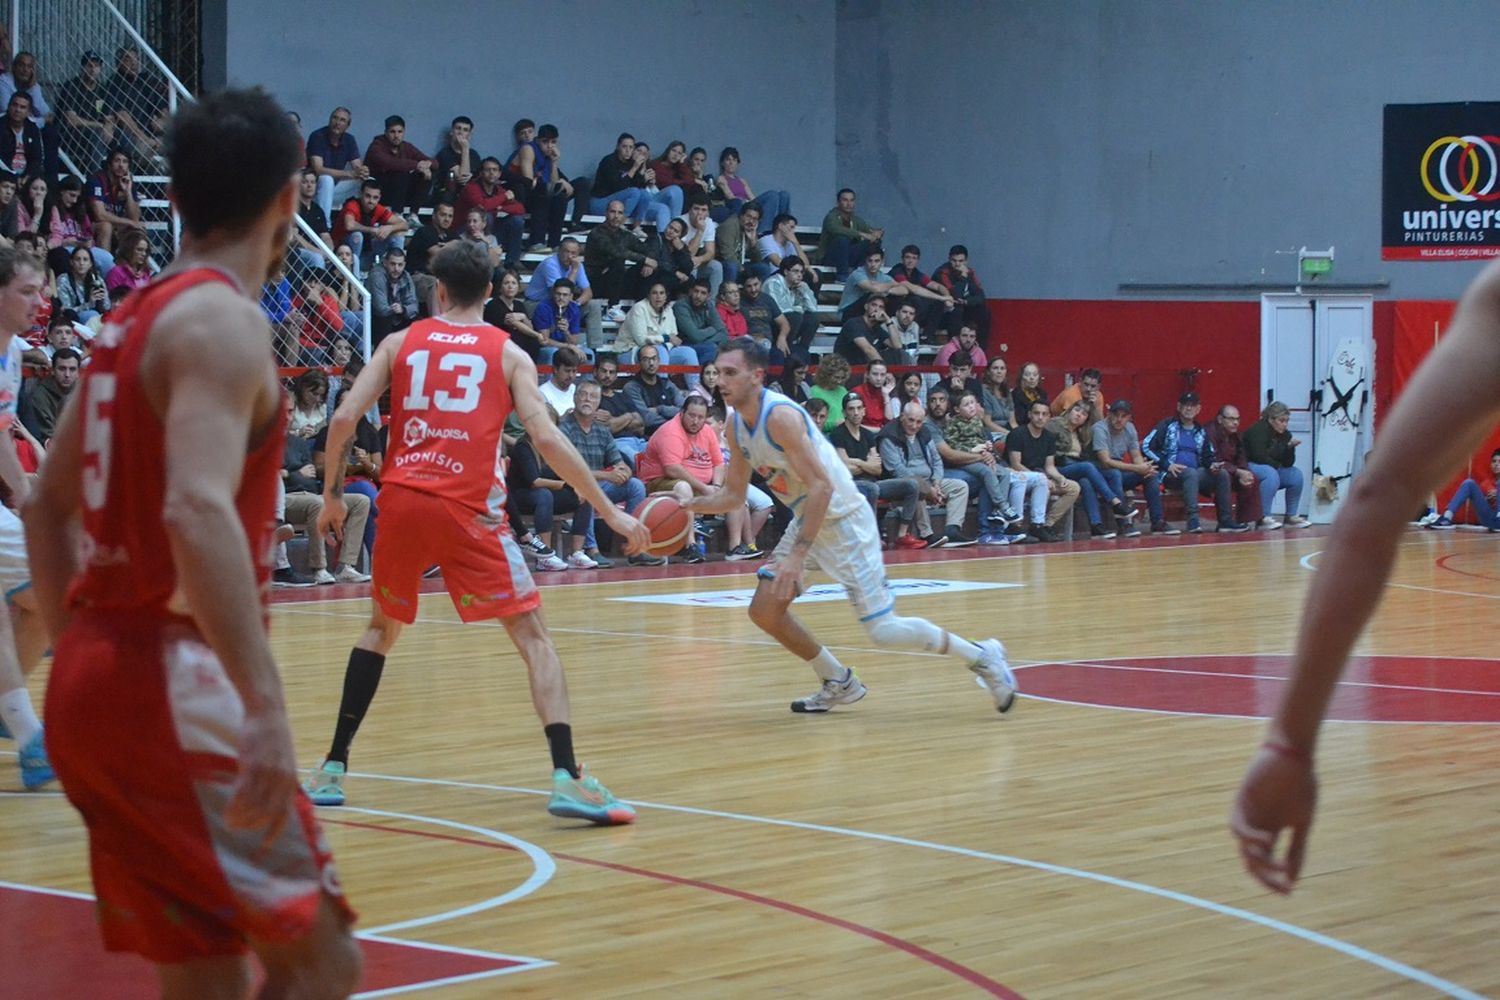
[963, 972]
[1442, 563]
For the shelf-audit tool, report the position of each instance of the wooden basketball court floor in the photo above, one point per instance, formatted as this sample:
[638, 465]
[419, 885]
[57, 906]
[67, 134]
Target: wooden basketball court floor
[914, 844]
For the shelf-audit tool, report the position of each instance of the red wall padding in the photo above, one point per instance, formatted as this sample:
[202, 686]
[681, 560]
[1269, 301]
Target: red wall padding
[1140, 347]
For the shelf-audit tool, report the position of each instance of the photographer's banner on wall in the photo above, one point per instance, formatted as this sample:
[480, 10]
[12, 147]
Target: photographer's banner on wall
[1441, 181]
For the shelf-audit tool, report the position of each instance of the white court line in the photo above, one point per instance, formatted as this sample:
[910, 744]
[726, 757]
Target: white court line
[541, 862]
[1271, 923]
[1101, 550]
[1100, 665]
[543, 868]
[1306, 563]
[523, 964]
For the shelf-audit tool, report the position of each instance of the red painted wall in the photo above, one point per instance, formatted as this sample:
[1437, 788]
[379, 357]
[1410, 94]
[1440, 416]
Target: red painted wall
[1140, 347]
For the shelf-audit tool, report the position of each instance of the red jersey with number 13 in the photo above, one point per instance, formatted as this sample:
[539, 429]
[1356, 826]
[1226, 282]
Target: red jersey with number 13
[449, 402]
[127, 559]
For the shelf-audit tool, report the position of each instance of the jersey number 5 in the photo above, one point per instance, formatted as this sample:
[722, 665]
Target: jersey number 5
[470, 370]
[96, 439]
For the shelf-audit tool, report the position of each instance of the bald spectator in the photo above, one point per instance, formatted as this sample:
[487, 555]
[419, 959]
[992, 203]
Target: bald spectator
[908, 449]
[1230, 451]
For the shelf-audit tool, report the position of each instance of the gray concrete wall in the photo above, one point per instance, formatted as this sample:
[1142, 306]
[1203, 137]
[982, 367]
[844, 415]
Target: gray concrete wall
[1076, 145]
[711, 74]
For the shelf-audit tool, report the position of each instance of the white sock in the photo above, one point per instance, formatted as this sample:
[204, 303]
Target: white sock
[827, 666]
[962, 648]
[18, 715]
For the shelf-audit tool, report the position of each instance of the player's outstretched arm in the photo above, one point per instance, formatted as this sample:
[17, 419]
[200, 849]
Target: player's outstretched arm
[1456, 390]
[559, 452]
[208, 374]
[372, 380]
[50, 515]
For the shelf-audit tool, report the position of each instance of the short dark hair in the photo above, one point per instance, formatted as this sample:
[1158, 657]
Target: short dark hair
[699, 283]
[875, 297]
[853, 397]
[492, 159]
[64, 353]
[462, 120]
[782, 217]
[938, 390]
[520, 124]
[370, 184]
[246, 128]
[844, 191]
[1037, 402]
[958, 248]
[911, 248]
[19, 95]
[395, 120]
[622, 137]
[695, 197]
[696, 150]
[749, 207]
[960, 360]
[606, 357]
[548, 131]
[727, 152]
[757, 354]
[693, 400]
[875, 251]
[1089, 373]
[788, 262]
[564, 283]
[463, 268]
[567, 356]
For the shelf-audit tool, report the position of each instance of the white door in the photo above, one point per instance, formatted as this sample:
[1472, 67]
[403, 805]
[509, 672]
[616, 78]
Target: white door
[1297, 337]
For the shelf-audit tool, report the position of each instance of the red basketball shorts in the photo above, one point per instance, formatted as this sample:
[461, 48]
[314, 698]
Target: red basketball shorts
[143, 729]
[482, 565]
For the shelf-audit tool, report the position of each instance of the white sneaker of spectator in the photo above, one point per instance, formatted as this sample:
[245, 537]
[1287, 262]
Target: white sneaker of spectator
[349, 574]
[615, 314]
[581, 560]
[551, 564]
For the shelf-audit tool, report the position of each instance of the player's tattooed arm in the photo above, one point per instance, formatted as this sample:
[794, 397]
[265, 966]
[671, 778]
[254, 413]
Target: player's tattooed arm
[335, 471]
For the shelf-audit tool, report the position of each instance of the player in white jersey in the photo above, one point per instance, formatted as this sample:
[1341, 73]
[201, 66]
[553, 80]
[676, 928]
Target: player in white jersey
[833, 524]
[23, 640]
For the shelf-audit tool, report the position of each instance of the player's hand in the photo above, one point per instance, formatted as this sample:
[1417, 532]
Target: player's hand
[267, 778]
[637, 538]
[331, 518]
[787, 584]
[1278, 793]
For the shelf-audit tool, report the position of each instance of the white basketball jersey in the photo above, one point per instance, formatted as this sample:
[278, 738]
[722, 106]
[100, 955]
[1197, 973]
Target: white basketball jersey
[769, 459]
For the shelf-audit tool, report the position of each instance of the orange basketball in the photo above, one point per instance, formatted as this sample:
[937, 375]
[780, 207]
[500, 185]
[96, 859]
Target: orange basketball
[670, 524]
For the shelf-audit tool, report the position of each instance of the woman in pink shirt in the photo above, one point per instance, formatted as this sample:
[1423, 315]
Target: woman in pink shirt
[133, 269]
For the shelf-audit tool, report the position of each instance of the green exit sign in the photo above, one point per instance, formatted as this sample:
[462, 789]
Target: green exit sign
[1313, 265]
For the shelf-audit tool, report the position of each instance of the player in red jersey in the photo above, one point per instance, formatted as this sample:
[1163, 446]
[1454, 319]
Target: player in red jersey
[1458, 389]
[167, 725]
[454, 379]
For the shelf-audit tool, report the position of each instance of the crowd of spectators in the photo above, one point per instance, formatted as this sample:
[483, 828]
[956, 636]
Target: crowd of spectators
[683, 261]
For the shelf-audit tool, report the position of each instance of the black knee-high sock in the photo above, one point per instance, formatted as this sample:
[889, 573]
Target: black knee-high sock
[560, 742]
[361, 678]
